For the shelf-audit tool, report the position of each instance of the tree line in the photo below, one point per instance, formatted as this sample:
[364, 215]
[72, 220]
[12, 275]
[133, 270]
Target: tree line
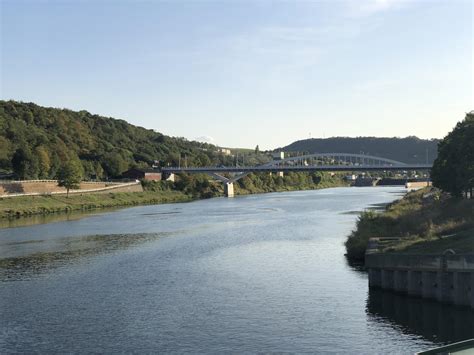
[407, 150]
[453, 170]
[36, 142]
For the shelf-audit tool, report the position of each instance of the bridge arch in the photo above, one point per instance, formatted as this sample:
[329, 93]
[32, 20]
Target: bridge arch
[342, 157]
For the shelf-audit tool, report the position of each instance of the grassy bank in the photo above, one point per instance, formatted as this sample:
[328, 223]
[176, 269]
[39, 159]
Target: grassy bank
[187, 188]
[425, 221]
[34, 205]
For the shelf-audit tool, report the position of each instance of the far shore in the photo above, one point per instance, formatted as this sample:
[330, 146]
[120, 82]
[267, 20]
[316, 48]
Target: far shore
[21, 207]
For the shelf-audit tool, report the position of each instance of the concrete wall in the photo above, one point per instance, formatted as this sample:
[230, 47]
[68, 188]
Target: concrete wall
[417, 184]
[445, 278]
[40, 187]
[229, 189]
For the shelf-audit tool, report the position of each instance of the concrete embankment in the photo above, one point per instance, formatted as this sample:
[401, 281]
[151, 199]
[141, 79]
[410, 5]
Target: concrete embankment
[50, 187]
[447, 278]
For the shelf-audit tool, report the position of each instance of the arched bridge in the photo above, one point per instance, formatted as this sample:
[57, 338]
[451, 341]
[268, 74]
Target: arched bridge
[332, 162]
[341, 158]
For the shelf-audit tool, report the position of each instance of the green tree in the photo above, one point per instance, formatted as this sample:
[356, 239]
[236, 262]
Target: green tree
[5, 153]
[70, 175]
[114, 164]
[44, 162]
[25, 164]
[99, 171]
[453, 170]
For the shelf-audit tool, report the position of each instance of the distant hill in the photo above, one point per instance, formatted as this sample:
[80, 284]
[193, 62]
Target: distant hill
[406, 150]
[35, 141]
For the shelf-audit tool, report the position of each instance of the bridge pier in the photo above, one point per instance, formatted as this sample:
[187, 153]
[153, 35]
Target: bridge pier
[229, 189]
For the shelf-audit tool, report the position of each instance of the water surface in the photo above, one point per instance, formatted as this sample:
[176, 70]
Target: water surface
[256, 273]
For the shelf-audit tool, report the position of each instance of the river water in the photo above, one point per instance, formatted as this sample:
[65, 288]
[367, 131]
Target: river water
[260, 273]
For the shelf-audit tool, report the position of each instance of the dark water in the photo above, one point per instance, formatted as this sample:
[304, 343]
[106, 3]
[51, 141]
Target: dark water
[261, 273]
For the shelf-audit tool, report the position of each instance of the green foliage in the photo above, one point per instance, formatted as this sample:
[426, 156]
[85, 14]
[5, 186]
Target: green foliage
[369, 225]
[25, 164]
[264, 182]
[45, 205]
[424, 216]
[36, 141]
[70, 175]
[453, 170]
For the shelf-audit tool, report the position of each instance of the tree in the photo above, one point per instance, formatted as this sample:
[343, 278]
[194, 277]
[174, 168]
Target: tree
[453, 170]
[99, 171]
[44, 161]
[114, 164]
[70, 175]
[25, 164]
[257, 149]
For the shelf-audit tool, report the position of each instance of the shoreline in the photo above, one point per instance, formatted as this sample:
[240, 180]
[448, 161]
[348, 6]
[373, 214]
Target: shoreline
[24, 207]
[423, 221]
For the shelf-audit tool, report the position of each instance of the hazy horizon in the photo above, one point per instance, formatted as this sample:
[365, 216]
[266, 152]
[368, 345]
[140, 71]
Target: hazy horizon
[242, 74]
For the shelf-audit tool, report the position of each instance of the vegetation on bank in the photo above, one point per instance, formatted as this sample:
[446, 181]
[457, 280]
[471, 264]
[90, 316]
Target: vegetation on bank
[453, 170]
[15, 207]
[425, 221]
[430, 220]
[36, 141]
[201, 186]
[186, 188]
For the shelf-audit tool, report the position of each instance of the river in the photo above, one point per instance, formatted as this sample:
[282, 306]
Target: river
[259, 273]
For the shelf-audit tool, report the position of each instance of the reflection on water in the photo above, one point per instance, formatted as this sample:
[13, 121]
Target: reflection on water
[434, 321]
[72, 250]
[50, 218]
[357, 266]
[262, 273]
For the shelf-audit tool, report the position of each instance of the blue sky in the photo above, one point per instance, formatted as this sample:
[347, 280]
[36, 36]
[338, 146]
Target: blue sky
[242, 73]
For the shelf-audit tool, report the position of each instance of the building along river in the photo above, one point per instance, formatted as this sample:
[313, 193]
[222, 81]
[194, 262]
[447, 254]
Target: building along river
[254, 273]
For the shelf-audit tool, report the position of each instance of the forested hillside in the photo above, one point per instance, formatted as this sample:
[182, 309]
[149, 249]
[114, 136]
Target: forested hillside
[35, 141]
[407, 150]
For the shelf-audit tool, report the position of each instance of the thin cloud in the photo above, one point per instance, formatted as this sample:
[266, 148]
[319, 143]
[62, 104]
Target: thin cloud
[204, 139]
[358, 8]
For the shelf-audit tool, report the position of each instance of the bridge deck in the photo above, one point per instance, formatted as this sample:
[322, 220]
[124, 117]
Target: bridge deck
[310, 168]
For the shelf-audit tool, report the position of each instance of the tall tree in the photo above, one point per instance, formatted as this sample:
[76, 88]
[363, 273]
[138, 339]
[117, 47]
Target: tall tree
[44, 161]
[25, 164]
[453, 170]
[70, 175]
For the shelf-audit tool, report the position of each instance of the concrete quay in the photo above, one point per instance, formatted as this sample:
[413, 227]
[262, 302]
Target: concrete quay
[447, 278]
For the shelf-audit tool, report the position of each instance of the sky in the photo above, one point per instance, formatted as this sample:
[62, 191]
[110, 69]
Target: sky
[246, 73]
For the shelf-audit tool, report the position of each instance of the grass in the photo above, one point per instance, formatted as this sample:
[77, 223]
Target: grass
[33, 205]
[154, 193]
[426, 221]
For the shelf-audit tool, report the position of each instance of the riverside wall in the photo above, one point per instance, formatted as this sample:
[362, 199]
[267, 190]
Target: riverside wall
[50, 187]
[447, 278]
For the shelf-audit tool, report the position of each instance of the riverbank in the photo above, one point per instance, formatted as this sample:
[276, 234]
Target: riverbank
[426, 221]
[43, 205]
[188, 188]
